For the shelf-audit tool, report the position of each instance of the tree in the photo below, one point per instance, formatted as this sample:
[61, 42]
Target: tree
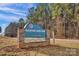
[56, 17]
[11, 30]
[0, 29]
[61, 18]
[40, 15]
[21, 23]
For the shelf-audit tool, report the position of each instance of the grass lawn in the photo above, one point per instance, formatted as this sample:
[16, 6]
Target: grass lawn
[7, 41]
[72, 43]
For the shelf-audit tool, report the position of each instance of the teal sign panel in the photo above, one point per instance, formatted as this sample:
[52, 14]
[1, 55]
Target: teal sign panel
[34, 31]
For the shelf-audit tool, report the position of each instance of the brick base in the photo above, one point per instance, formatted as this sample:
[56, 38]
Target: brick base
[20, 38]
[35, 44]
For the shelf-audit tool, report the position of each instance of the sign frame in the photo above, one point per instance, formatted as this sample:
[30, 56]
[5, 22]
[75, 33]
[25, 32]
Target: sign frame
[22, 44]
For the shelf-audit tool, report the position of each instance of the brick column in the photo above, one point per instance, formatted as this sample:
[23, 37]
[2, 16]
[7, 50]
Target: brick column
[20, 38]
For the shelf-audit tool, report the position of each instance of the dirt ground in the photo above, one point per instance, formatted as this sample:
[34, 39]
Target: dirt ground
[62, 47]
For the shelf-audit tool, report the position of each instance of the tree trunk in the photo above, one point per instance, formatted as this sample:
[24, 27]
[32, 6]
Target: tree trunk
[52, 32]
[59, 27]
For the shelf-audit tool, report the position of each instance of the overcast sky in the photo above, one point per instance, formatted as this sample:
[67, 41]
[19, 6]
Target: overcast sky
[12, 12]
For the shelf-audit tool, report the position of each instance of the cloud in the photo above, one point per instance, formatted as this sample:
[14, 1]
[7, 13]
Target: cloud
[14, 11]
[7, 7]
[8, 18]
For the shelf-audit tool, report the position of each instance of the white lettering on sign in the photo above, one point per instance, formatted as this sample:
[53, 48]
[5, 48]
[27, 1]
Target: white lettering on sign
[35, 30]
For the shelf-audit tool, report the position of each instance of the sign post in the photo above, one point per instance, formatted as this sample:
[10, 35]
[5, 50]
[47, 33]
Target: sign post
[20, 38]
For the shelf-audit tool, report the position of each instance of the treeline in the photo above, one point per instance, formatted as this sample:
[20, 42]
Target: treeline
[62, 19]
[11, 29]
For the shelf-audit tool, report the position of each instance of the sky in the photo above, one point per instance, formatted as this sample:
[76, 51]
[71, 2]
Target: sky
[11, 12]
